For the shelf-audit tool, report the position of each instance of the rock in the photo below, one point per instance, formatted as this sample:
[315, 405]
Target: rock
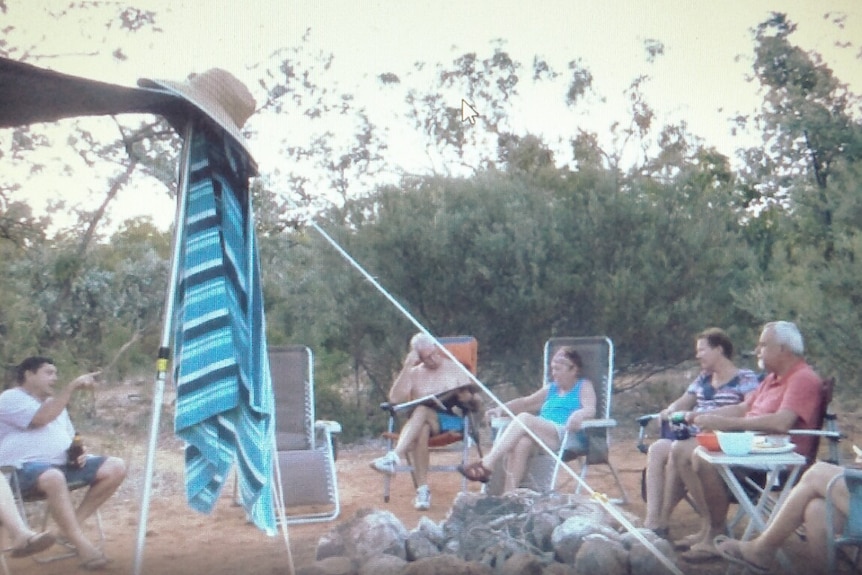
[330, 566]
[540, 528]
[520, 532]
[496, 553]
[642, 561]
[446, 565]
[557, 568]
[599, 554]
[431, 530]
[368, 534]
[522, 564]
[569, 535]
[383, 565]
[417, 546]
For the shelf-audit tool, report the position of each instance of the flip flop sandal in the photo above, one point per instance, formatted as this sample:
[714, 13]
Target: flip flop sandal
[95, 563]
[475, 472]
[700, 554]
[35, 543]
[729, 550]
[686, 542]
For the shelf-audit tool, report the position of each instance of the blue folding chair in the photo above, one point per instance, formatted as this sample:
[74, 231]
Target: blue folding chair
[851, 534]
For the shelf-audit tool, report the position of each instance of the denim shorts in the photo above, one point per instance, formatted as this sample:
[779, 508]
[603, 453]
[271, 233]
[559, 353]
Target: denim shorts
[29, 472]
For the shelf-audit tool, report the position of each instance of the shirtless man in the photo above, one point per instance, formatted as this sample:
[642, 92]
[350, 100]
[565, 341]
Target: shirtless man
[427, 370]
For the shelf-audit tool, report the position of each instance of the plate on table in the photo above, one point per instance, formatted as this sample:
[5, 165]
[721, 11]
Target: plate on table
[771, 449]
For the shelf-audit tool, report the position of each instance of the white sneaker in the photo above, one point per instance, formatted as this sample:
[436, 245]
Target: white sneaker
[423, 498]
[386, 464]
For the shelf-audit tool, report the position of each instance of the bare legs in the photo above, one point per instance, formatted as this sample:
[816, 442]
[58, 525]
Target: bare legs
[413, 438]
[517, 446]
[668, 465]
[682, 457]
[657, 466]
[805, 504]
[11, 519]
[716, 502]
[53, 483]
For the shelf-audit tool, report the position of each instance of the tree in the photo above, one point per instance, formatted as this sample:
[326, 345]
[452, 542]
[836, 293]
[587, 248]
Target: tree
[807, 178]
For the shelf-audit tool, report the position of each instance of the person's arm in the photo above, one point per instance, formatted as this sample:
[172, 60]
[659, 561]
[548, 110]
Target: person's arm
[588, 407]
[799, 406]
[686, 402]
[53, 406]
[402, 387]
[779, 422]
[529, 403]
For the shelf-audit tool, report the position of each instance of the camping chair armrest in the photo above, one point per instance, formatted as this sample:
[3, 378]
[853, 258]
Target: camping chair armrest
[428, 400]
[598, 423]
[817, 433]
[329, 426]
[832, 435]
[325, 436]
[644, 420]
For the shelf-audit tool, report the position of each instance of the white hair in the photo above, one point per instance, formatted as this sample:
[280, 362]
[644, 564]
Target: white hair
[422, 340]
[787, 335]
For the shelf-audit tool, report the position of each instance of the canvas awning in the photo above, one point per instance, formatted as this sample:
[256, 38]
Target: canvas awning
[29, 94]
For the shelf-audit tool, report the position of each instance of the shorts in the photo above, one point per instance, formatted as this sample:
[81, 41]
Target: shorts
[450, 422]
[29, 472]
[578, 441]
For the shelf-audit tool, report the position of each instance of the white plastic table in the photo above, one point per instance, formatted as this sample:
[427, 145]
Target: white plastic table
[773, 463]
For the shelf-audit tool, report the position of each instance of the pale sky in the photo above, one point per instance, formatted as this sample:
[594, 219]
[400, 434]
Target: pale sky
[699, 79]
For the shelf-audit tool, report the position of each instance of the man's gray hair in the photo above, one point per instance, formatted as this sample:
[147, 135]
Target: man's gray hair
[788, 335]
[423, 340]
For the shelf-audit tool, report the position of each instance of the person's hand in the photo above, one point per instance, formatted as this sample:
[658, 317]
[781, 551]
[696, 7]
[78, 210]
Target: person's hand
[82, 459]
[412, 359]
[493, 413]
[706, 421]
[664, 414]
[88, 380]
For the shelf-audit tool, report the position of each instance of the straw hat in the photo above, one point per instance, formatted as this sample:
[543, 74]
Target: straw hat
[216, 93]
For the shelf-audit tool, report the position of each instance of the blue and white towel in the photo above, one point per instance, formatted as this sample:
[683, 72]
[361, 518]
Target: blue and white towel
[224, 409]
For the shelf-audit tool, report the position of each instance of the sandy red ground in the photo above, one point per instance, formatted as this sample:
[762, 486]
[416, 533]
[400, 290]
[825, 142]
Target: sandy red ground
[181, 541]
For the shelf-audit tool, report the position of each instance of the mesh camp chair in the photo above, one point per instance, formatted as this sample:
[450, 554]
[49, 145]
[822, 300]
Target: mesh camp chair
[305, 448]
[851, 533]
[465, 349]
[597, 354]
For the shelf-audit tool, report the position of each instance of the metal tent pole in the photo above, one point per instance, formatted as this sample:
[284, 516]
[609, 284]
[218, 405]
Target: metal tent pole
[164, 350]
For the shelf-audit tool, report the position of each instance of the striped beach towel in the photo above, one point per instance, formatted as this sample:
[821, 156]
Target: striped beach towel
[224, 408]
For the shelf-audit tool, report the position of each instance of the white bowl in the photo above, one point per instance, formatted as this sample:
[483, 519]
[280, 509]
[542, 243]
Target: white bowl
[735, 442]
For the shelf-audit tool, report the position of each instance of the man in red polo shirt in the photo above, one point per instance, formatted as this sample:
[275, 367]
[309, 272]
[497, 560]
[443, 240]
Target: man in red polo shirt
[789, 398]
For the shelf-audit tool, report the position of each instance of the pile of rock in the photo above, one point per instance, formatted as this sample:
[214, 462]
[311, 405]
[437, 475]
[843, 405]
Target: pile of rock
[522, 532]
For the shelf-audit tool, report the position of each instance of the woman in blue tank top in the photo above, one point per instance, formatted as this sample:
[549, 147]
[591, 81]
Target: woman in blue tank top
[549, 413]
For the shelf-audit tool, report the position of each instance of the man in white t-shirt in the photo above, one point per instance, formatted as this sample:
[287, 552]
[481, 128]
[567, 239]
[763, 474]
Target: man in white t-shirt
[35, 434]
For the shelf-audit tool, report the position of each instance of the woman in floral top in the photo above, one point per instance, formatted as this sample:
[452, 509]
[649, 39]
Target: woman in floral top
[669, 472]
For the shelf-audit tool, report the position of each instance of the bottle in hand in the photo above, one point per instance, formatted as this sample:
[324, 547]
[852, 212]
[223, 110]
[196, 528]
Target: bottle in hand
[75, 451]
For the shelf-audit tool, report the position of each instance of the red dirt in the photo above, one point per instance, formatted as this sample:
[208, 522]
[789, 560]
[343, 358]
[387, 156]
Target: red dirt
[181, 541]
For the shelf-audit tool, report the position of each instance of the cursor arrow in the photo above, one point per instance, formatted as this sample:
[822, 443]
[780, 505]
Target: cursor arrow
[468, 112]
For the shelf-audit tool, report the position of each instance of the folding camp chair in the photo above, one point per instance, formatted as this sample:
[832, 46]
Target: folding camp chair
[305, 448]
[464, 349]
[597, 354]
[851, 534]
[35, 513]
